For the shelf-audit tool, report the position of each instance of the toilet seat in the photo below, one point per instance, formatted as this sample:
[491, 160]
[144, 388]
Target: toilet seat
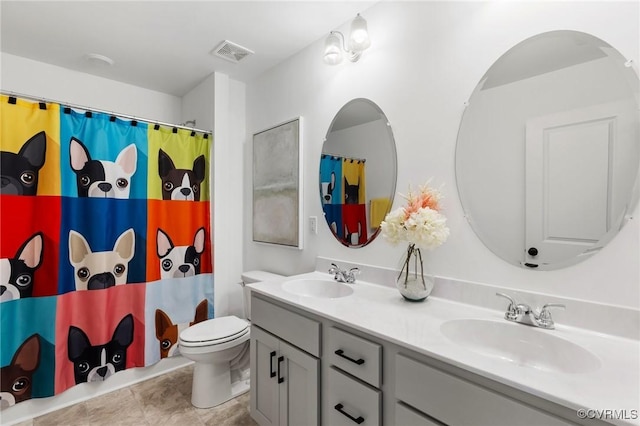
[216, 331]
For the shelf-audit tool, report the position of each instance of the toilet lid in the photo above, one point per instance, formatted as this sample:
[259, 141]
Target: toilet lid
[215, 331]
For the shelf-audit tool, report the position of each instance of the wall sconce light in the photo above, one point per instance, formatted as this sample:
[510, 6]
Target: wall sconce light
[358, 42]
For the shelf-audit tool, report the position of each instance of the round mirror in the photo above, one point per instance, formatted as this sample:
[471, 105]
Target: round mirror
[548, 150]
[357, 172]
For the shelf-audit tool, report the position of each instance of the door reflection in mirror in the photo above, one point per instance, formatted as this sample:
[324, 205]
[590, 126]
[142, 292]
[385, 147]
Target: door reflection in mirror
[548, 150]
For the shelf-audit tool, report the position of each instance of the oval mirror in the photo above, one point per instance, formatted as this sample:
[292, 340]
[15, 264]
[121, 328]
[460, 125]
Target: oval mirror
[548, 150]
[357, 172]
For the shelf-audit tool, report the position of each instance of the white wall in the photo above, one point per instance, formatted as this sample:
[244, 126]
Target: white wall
[198, 104]
[28, 77]
[426, 58]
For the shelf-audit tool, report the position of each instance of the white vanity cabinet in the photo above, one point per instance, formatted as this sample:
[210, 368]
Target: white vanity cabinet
[340, 374]
[285, 387]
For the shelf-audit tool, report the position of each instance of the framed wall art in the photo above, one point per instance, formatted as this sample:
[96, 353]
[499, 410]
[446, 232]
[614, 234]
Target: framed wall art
[277, 185]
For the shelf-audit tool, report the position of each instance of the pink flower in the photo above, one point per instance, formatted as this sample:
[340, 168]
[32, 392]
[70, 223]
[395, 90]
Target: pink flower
[419, 222]
[426, 198]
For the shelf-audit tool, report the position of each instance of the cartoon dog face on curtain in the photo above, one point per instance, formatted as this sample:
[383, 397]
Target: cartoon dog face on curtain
[327, 189]
[17, 273]
[16, 379]
[20, 171]
[179, 261]
[167, 332]
[351, 192]
[98, 270]
[99, 362]
[180, 184]
[100, 178]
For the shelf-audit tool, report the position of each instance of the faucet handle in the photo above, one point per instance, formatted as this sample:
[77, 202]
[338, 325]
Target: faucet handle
[553, 305]
[338, 274]
[545, 316]
[512, 309]
[351, 275]
[506, 296]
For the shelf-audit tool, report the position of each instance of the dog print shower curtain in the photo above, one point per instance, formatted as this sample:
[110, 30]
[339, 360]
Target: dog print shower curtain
[343, 192]
[105, 244]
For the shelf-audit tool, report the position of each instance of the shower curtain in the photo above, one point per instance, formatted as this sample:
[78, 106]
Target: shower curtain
[105, 244]
[343, 192]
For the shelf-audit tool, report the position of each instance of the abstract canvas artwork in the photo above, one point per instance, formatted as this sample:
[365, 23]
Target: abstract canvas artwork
[276, 185]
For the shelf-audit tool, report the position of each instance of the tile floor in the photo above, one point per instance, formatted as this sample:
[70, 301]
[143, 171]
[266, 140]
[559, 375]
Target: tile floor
[163, 400]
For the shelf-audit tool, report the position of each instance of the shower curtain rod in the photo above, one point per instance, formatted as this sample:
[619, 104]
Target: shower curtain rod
[364, 160]
[84, 108]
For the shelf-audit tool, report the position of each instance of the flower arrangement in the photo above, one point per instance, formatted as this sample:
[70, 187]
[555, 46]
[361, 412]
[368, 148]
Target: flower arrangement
[421, 224]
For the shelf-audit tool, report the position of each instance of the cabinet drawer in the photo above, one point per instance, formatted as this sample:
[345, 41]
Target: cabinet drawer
[350, 402]
[406, 416]
[354, 355]
[453, 400]
[290, 326]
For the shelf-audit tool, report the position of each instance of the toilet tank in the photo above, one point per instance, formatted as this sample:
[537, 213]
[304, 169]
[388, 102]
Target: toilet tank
[254, 277]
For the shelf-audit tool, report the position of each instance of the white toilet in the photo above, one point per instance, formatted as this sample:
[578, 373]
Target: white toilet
[214, 344]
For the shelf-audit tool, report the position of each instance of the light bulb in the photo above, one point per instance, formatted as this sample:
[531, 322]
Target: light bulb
[359, 37]
[332, 50]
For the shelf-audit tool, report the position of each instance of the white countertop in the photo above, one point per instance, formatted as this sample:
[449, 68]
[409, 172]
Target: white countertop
[382, 312]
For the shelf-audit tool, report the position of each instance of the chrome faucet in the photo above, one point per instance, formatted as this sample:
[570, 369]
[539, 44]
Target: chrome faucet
[524, 314]
[342, 275]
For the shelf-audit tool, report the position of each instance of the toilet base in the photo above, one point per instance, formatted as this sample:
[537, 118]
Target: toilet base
[240, 387]
[211, 384]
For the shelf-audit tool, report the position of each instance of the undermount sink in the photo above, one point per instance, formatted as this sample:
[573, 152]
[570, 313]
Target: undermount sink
[324, 289]
[520, 344]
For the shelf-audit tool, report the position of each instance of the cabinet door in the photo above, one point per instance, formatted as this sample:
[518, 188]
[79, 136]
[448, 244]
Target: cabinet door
[264, 382]
[299, 391]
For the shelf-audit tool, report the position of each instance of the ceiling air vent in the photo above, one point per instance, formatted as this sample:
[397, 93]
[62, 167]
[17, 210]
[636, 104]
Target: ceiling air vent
[231, 52]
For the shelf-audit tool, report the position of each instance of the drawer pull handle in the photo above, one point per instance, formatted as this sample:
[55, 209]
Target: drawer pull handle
[341, 354]
[340, 407]
[280, 378]
[271, 372]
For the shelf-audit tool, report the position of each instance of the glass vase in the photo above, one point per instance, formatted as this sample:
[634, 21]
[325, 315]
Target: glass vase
[413, 281]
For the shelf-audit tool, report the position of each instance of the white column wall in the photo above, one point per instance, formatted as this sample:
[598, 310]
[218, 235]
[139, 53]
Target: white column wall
[228, 137]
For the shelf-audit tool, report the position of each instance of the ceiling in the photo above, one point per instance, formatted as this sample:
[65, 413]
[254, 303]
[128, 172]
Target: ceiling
[165, 45]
